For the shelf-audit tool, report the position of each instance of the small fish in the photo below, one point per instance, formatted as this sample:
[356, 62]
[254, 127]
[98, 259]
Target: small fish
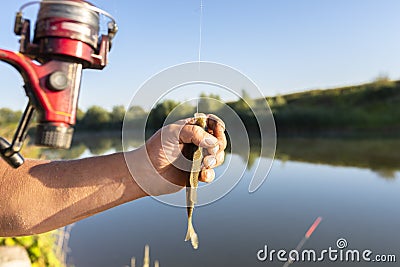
[192, 183]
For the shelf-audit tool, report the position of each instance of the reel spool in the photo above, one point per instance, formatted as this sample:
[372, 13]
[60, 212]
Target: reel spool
[65, 29]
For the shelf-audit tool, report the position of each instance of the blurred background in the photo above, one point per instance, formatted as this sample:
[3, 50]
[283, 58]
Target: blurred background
[329, 72]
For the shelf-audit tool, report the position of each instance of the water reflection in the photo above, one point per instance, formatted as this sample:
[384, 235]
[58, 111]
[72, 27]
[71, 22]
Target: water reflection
[379, 155]
[307, 180]
[354, 204]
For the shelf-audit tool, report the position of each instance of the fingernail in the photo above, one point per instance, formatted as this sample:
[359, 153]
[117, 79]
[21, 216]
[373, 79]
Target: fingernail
[221, 156]
[211, 161]
[208, 178]
[210, 141]
[215, 149]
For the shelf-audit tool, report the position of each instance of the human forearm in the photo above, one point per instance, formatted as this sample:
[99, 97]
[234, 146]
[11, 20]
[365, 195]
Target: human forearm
[45, 195]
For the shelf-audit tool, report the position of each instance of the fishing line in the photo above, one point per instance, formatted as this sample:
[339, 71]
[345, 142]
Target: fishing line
[200, 30]
[200, 43]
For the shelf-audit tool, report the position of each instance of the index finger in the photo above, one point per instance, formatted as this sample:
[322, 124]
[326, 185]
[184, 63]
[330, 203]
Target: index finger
[217, 126]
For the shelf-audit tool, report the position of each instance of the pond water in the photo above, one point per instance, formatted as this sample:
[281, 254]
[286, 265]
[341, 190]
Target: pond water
[352, 184]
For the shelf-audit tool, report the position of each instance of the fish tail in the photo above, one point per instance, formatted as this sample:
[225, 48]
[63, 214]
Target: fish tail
[191, 235]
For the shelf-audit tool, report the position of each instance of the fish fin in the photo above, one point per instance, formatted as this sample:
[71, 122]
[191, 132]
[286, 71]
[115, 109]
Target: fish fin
[191, 235]
[195, 240]
[190, 230]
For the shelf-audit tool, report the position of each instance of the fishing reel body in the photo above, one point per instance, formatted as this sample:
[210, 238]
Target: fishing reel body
[66, 41]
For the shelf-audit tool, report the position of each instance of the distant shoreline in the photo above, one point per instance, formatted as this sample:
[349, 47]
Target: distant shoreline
[367, 110]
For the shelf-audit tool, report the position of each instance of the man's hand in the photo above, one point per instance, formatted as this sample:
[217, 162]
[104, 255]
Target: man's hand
[159, 167]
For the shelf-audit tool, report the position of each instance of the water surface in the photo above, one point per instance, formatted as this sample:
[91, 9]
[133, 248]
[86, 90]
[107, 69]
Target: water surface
[353, 184]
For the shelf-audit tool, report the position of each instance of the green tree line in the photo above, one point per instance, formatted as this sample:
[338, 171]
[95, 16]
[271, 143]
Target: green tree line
[95, 118]
[371, 107]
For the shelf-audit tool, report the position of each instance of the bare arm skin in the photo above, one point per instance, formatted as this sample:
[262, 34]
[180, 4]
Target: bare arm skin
[41, 195]
[44, 195]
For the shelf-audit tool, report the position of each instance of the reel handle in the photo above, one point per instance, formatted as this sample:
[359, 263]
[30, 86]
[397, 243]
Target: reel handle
[10, 152]
[15, 159]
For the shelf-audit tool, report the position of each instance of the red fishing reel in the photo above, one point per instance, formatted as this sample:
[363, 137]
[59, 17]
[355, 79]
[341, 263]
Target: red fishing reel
[66, 40]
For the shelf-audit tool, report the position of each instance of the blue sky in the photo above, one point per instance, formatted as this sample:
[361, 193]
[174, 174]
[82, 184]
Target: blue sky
[283, 45]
